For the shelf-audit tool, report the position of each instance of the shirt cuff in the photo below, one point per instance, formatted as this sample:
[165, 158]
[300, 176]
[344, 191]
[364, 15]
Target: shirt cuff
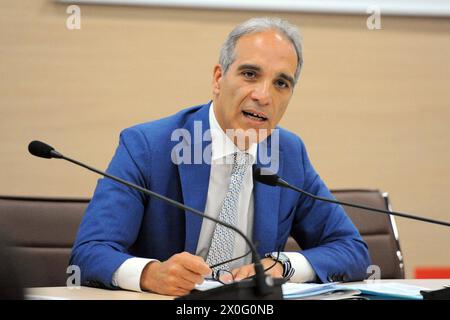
[303, 269]
[128, 275]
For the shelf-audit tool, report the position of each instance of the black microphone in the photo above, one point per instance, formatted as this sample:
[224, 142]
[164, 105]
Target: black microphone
[43, 150]
[260, 287]
[266, 176]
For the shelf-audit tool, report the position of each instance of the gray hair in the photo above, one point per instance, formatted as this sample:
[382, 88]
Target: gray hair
[227, 52]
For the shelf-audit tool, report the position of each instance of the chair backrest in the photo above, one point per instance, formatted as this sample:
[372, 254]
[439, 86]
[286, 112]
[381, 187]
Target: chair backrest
[10, 283]
[42, 232]
[378, 230]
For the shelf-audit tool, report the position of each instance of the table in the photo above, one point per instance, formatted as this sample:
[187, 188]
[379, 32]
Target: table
[87, 293]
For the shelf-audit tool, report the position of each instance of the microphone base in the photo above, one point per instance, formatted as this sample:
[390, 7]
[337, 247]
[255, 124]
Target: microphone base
[241, 290]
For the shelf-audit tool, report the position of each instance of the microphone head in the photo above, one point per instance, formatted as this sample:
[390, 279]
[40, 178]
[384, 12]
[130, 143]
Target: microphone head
[265, 176]
[41, 149]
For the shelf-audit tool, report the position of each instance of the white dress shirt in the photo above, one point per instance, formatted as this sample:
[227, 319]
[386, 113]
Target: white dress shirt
[128, 275]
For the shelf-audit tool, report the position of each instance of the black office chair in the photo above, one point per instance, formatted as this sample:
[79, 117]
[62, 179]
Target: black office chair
[378, 230]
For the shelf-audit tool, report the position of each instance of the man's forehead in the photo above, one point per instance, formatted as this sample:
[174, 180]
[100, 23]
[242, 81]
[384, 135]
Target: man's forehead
[255, 48]
[267, 38]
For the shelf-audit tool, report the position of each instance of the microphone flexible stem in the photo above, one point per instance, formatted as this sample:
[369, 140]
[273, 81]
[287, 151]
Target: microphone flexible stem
[400, 214]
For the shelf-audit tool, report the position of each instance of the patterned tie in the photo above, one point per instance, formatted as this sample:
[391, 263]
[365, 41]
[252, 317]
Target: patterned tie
[222, 242]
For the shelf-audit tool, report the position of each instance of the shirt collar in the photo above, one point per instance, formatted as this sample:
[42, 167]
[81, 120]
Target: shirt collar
[222, 146]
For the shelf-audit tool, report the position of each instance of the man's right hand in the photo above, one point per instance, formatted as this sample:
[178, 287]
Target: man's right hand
[176, 276]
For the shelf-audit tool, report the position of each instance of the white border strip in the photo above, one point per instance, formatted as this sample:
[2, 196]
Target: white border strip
[434, 8]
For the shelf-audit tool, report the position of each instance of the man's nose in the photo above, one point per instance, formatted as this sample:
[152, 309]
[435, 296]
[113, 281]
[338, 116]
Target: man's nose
[261, 93]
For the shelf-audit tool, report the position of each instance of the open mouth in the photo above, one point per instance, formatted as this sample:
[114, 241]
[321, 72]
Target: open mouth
[254, 116]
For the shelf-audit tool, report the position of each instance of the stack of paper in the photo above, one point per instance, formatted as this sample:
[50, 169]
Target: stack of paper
[301, 290]
[290, 290]
[392, 290]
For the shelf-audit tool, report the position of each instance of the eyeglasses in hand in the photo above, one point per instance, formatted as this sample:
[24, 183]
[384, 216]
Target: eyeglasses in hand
[219, 274]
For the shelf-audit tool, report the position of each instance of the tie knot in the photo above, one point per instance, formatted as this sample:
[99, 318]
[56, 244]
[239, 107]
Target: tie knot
[241, 158]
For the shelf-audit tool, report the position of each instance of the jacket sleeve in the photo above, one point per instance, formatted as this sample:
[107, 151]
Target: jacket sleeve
[113, 218]
[330, 241]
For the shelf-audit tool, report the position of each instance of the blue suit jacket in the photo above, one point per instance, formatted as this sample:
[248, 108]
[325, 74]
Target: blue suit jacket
[121, 223]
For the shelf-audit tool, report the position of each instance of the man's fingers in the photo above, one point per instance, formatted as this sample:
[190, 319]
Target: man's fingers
[191, 276]
[226, 277]
[189, 268]
[180, 272]
[174, 291]
[194, 263]
[243, 272]
[182, 283]
[180, 292]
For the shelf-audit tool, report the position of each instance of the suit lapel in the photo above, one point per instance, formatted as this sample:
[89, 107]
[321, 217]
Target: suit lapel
[194, 176]
[267, 200]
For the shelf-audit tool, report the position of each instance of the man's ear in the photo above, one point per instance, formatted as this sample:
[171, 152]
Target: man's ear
[217, 77]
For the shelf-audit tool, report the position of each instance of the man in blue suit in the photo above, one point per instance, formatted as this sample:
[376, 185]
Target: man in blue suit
[203, 156]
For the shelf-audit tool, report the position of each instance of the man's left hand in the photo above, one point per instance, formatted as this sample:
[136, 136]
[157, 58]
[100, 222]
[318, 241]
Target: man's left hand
[249, 270]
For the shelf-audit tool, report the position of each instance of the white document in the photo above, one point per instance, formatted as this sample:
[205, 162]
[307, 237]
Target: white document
[208, 284]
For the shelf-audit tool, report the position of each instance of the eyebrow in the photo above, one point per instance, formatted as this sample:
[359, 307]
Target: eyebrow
[248, 66]
[254, 67]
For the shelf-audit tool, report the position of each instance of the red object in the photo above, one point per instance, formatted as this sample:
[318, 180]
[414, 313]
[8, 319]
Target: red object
[432, 273]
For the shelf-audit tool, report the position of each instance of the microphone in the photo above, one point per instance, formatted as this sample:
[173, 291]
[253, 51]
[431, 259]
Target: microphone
[43, 150]
[260, 287]
[267, 177]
